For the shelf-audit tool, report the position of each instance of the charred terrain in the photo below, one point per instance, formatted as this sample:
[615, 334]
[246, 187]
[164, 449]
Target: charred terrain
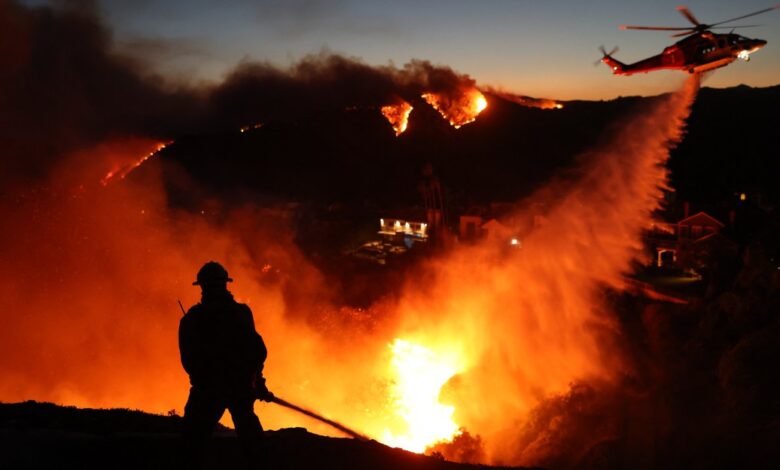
[351, 156]
[42, 435]
[559, 342]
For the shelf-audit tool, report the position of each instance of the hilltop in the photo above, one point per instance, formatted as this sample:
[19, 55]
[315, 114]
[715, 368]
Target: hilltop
[44, 435]
[352, 156]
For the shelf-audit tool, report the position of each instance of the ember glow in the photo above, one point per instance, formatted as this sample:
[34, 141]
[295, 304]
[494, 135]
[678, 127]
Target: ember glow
[540, 103]
[420, 374]
[121, 170]
[527, 101]
[398, 116]
[251, 127]
[459, 109]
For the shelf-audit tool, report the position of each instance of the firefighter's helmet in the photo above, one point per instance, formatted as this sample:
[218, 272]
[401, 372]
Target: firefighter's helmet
[212, 272]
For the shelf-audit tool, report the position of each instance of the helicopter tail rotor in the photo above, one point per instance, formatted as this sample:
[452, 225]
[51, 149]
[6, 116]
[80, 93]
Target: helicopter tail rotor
[605, 54]
[618, 68]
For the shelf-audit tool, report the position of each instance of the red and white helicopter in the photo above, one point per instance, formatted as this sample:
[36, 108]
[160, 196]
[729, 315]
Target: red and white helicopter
[699, 51]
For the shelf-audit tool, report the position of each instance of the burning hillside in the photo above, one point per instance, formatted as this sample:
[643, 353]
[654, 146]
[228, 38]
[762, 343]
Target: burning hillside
[398, 116]
[459, 109]
[121, 170]
[541, 103]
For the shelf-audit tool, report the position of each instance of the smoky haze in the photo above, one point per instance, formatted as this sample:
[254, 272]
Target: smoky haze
[93, 273]
[558, 360]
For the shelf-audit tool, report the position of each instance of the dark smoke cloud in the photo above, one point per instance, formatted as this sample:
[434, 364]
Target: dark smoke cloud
[63, 87]
[324, 82]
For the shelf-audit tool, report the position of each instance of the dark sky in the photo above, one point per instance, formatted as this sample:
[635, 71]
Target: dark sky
[530, 47]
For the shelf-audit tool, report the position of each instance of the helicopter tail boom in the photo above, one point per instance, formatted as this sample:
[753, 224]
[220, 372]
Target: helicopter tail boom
[617, 66]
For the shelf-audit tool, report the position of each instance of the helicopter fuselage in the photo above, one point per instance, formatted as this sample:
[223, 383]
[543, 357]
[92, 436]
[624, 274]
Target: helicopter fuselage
[697, 53]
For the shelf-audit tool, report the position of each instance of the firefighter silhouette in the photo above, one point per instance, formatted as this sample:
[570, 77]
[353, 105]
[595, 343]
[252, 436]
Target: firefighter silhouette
[224, 357]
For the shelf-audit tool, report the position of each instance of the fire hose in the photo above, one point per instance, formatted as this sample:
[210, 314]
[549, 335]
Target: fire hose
[323, 419]
[318, 417]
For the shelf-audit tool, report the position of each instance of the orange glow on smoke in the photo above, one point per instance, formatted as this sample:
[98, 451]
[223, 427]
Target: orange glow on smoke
[479, 336]
[541, 103]
[398, 116]
[460, 109]
[420, 375]
[123, 169]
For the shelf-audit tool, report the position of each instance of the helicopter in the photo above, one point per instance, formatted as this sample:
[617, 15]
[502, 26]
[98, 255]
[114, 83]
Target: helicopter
[699, 51]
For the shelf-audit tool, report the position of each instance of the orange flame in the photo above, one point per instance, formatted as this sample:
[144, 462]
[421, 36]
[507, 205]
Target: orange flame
[398, 116]
[420, 374]
[251, 127]
[123, 170]
[541, 103]
[530, 102]
[459, 110]
[533, 320]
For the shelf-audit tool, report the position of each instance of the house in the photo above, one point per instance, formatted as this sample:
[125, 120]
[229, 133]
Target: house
[697, 226]
[470, 227]
[686, 240]
[406, 231]
[494, 229]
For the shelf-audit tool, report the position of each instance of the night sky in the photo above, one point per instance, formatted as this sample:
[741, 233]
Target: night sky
[543, 49]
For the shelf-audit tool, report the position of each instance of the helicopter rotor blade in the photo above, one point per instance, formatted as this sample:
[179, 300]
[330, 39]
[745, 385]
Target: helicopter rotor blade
[684, 11]
[658, 28]
[737, 26]
[693, 31]
[748, 15]
[698, 26]
[604, 51]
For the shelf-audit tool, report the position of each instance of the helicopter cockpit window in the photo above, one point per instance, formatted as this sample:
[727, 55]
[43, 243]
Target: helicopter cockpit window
[721, 43]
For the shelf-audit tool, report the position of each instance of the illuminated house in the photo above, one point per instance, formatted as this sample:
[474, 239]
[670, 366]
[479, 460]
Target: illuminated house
[406, 231]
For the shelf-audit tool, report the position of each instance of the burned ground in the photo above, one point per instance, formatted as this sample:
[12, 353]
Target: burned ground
[43, 435]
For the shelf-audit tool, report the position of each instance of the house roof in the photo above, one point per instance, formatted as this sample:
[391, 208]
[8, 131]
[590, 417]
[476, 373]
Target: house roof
[701, 218]
[494, 224]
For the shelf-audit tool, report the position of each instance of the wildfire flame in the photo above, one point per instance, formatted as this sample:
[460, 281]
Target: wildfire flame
[459, 110]
[251, 127]
[528, 101]
[541, 103]
[398, 116]
[123, 170]
[420, 374]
